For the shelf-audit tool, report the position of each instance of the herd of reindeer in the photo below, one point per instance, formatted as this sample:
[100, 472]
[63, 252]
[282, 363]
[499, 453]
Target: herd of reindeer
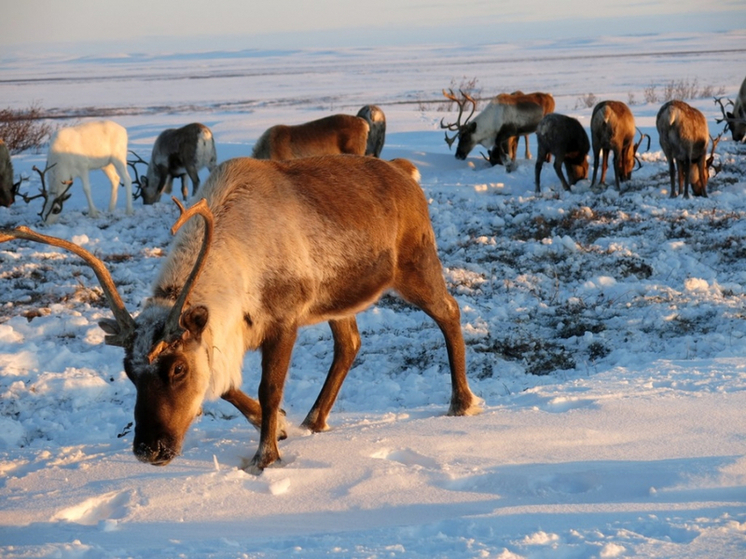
[314, 227]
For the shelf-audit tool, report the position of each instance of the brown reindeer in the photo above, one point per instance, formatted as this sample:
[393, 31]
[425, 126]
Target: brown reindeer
[331, 135]
[546, 101]
[684, 137]
[280, 245]
[613, 131]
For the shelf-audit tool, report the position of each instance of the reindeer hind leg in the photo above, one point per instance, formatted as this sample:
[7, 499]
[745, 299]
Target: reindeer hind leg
[420, 282]
[346, 346]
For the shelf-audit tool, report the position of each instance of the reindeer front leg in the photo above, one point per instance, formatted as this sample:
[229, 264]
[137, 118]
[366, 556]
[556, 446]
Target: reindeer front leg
[92, 211]
[558, 169]
[277, 349]
[252, 411]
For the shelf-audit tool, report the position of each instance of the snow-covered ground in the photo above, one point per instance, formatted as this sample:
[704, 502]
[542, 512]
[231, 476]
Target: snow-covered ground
[605, 332]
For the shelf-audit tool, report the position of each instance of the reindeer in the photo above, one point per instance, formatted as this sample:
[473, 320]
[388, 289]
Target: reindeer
[564, 138]
[7, 188]
[736, 120]
[177, 153]
[76, 150]
[331, 135]
[376, 120]
[684, 137]
[613, 130]
[279, 245]
[506, 116]
[547, 105]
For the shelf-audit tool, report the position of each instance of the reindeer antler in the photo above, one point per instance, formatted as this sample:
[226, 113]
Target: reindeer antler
[637, 145]
[719, 101]
[458, 125]
[121, 314]
[172, 327]
[43, 193]
[711, 158]
[138, 182]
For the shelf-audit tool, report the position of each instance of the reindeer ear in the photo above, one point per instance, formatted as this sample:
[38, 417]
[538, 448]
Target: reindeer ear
[194, 320]
[111, 327]
[115, 335]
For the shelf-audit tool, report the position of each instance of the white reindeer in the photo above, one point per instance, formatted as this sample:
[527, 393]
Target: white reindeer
[76, 150]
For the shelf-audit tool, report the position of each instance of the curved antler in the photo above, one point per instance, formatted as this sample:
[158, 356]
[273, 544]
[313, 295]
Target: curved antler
[642, 137]
[172, 326]
[458, 125]
[710, 161]
[719, 101]
[121, 314]
[139, 181]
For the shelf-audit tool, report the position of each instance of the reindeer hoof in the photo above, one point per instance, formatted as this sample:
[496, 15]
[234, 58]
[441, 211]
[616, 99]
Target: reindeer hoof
[257, 464]
[467, 406]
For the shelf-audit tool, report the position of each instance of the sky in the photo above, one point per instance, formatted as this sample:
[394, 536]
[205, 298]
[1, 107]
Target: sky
[95, 26]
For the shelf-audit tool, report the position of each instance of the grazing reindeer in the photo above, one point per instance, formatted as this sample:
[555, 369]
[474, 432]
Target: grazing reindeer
[76, 150]
[177, 153]
[566, 139]
[376, 120]
[7, 188]
[280, 245]
[506, 116]
[547, 105]
[735, 121]
[684, 137]
[613, 131]
[331, 135]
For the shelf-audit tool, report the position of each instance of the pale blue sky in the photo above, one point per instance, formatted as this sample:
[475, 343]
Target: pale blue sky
[146, 25]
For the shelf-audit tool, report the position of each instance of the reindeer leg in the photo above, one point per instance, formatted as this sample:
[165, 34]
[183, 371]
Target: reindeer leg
[92, 211]
[346, 346]
[194, 176]
[420, 282]
[703, 170]
[596, 159]
[276, 351]
[558, 169]
[672, 175]
[248, 407]
[528, 151]
[605, 165]
[684, 175]
[110, 171]
[540, 159]
[184, 187]
[617, 170]
[124, 175]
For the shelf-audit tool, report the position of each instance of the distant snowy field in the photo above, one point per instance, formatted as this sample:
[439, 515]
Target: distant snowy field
[605, 332]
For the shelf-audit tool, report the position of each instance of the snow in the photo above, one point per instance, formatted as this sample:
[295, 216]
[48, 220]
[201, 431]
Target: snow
[605, 332]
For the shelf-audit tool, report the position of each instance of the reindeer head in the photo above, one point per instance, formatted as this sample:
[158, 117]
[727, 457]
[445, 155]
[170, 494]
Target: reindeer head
[57, 192]
[734, 121]
[629, 157]
[52, 201]
[576, 166]
[165, 355]
[152, 184]
[699, 180]
[464, 131]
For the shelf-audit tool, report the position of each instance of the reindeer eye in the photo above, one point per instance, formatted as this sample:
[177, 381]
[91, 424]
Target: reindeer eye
[178, 371]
